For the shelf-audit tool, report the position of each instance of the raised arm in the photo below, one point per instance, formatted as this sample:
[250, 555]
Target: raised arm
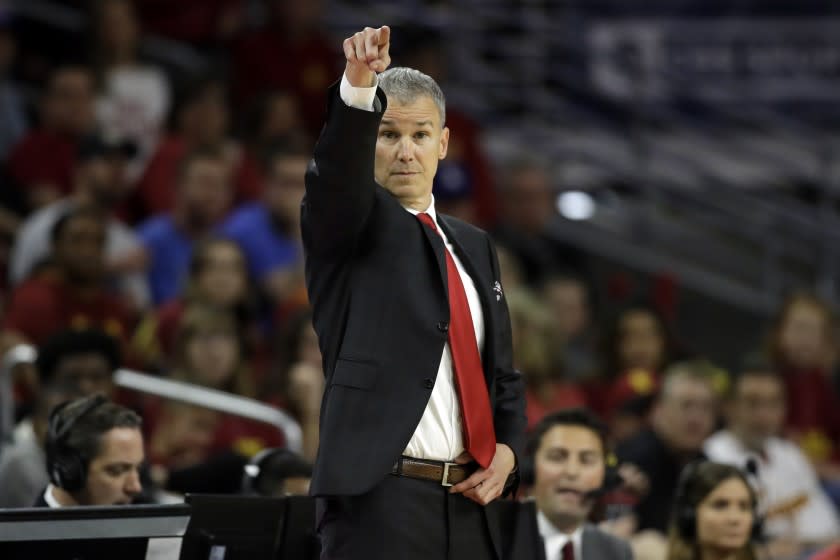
[340, 180]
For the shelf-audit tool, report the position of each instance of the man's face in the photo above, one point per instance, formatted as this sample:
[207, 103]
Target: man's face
[80, 249]
[685, 414]
[113, 477]
[88, 372]
[408, 148]
[758, 409]
[204, 191]
[568, 463]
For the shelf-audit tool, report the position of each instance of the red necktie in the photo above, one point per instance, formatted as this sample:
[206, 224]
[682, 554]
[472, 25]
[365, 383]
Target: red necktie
[479, 434]
[568, 551]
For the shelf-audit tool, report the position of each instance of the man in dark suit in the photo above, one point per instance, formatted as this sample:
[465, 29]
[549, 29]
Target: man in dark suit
[423, 415]
[94, 454]
[569, 458]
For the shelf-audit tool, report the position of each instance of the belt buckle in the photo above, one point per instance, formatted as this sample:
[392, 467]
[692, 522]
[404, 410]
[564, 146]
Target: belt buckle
[445, 479]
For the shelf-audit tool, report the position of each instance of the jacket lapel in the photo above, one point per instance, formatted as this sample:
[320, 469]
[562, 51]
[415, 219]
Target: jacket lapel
[439, 250]
[482, 286]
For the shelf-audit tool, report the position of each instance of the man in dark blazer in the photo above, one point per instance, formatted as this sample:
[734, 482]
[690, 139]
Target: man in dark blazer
[567, 452]
[423, 414]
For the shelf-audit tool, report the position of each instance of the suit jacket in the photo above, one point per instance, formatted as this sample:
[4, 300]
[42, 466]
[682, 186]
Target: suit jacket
[524, 542]
[377, 283]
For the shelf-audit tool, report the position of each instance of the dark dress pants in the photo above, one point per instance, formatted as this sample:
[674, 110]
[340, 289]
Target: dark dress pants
[404, 519]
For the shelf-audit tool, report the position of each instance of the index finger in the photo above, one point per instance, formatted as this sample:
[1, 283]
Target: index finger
[384, 36]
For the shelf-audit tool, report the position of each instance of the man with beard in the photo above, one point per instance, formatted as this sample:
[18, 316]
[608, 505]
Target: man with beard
[202, 198]
[99, 183]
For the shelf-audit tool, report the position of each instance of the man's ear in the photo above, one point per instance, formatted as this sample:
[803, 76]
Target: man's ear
[444, 142]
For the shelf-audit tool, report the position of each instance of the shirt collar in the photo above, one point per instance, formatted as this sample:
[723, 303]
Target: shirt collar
[555, 540]
[430, 210]
[50, 498]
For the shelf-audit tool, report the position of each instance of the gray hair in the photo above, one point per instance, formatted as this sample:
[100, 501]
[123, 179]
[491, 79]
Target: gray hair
[406, 85]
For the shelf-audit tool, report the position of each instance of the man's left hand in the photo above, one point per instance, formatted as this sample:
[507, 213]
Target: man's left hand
[485, 485]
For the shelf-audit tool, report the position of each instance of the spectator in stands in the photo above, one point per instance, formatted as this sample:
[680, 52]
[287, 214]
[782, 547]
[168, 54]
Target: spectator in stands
[307, 66]
[714, 515]
[210, 351]
[269, 231]
[202, 198]
[42, 163]
[533, 330]
[274, 120]
[94, 454]
[201, 124]
[793, 502]
[637, 347]
[69, 291]
[683, 416]
[85, 359]
[98, 182]
[570, 462]
[526, 207]
[23, 460]
[802, 347]
[570, 302]
[218, 279]
[134, 97]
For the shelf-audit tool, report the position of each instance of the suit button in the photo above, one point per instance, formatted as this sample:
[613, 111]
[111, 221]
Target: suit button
[443, 326]
[429, 383]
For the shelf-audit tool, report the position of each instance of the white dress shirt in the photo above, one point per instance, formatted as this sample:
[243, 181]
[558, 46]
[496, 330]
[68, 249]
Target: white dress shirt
[555, 540]
[783, 474]
[439, 433]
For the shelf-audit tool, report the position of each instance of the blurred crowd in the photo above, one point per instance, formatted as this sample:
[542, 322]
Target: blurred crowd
[149, 218]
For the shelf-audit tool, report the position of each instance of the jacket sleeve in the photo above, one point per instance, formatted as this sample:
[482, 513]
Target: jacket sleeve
[340, 183]
[509, 413]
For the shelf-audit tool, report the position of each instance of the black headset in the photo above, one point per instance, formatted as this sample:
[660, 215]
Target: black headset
[66, 466]
[612, 479]
[686, 514]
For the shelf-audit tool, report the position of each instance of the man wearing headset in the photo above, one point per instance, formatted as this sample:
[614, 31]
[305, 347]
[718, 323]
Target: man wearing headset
[94, 453]
[571, 469]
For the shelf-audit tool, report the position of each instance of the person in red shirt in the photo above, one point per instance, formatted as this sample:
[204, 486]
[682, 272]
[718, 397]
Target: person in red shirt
[68, 291]
[802, 349]
[637, 347]
[42, 163]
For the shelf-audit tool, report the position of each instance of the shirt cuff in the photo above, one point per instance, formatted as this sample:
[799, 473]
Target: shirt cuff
[358, 97]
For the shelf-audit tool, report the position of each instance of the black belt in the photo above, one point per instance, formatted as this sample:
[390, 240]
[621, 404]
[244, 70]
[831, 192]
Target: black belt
[444, 473]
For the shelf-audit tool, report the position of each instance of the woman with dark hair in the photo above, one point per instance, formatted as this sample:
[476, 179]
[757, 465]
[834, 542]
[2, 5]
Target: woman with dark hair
[714, 514]
[803, 349]
[218, 279]
[638, 346]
